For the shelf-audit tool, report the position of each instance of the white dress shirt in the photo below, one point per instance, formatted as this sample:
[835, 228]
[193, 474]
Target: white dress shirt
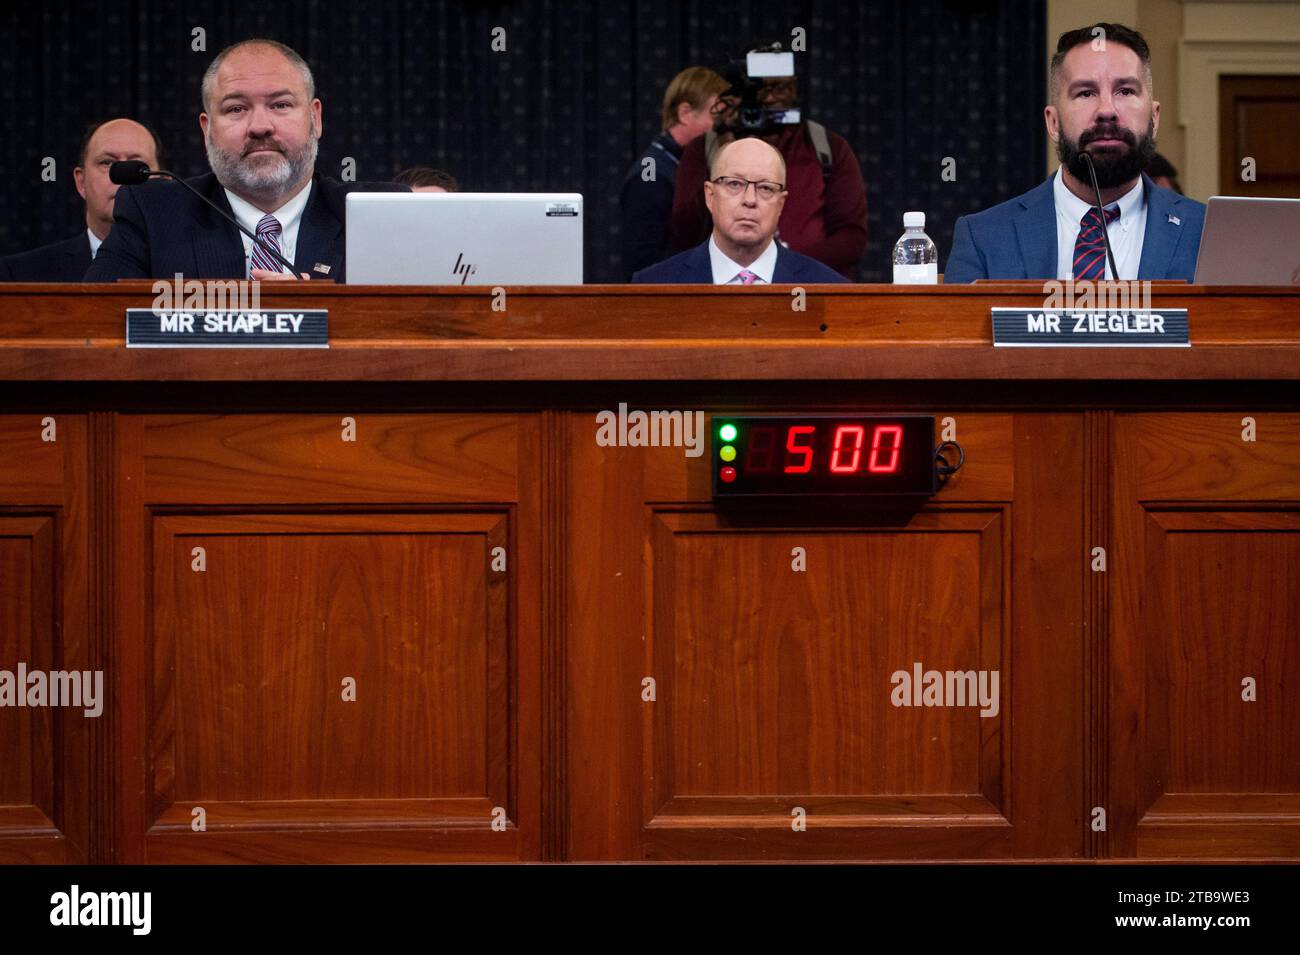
[1126, 232]
[727, 272]
[95, 242]
[289, 216]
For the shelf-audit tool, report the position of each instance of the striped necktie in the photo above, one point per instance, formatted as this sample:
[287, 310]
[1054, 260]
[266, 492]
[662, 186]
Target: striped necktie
[746, 277]
[1090, 246]
[268, 230]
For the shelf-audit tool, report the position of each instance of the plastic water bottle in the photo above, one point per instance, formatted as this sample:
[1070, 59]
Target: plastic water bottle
[916, 260]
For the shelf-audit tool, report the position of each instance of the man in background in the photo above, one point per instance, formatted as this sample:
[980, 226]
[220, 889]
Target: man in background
[425, 179]
[1163, 174]
[647, 194]
[103, 144]
[744, 195]
[826, 217]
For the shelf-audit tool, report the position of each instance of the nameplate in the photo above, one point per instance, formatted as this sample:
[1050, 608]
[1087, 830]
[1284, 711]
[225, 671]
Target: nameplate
[1105, 328]
[227, 328]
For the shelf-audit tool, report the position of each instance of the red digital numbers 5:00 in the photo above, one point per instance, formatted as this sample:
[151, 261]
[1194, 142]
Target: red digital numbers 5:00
[849, 447]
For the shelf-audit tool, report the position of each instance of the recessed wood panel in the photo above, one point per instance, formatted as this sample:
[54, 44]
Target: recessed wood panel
[1207, 599]
[1245, 567]
[27, 638]
[251, 718]
[775, 699]
[776, 682]
[327, 560]
[1259, 120]
[46, 751]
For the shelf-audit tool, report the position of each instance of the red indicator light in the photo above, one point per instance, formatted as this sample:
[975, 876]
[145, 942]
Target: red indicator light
[890, 465]
[728, 474]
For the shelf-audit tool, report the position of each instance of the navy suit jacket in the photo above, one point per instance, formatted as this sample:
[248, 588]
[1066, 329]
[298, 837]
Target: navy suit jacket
[693, 267]
[160, 229]
[1017, 239]
[64, 261]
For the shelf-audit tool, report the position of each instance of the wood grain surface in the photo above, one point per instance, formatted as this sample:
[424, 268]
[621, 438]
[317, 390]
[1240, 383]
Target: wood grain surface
[1146, 710]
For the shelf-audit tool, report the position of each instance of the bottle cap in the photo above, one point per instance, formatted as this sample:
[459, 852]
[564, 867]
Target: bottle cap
[913, 220]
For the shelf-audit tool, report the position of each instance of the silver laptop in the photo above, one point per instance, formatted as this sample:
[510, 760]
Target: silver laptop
[1249, 242]
[464, 238]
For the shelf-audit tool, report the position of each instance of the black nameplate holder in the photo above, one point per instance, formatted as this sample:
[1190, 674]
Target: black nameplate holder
[227, 328]
[1090, 328]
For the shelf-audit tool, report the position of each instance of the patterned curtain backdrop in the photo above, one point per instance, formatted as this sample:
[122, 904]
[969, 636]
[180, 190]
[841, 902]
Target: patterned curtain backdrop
[566, 106]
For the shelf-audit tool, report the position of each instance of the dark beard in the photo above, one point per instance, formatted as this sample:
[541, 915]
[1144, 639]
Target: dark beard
[1114, 168]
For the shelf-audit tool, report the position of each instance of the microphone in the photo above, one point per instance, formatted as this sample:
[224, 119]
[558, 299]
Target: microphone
[1101, 211]
[134, 172]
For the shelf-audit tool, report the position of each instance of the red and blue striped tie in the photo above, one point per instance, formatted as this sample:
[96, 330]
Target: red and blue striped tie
[1090, 246]
[268, 230]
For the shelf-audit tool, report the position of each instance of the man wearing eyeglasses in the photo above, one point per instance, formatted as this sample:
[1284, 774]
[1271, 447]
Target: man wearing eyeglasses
[745, 194]
[826, 217]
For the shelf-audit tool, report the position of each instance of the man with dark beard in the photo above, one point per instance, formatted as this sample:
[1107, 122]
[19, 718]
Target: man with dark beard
[1101, 104]
[261, 122]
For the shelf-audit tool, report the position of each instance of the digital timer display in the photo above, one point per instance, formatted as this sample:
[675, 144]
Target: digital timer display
[795, 456]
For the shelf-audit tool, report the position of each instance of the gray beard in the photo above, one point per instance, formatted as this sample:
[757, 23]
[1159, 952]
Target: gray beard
[270, 180]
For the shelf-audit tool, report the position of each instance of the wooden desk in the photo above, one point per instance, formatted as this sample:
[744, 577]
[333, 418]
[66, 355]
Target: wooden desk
[516, 692]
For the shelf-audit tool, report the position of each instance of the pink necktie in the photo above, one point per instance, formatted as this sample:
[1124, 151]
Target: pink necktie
[746, 277]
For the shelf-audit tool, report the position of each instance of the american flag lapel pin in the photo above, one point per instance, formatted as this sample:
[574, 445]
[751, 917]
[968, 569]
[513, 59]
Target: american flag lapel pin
[324, 269]
[1174, 219]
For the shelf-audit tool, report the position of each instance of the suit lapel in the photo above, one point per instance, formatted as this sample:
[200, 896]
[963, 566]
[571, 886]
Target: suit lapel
[218, 247]
[783, 272]
[1035, 225]
[319, 236]
[78, 253]
[1160, 240]
[699, 267]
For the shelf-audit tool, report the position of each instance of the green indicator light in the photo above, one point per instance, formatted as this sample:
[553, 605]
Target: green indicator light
[727, 453]
[727, 433]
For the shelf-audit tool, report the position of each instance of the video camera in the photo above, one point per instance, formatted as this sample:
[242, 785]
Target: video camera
[747, 115]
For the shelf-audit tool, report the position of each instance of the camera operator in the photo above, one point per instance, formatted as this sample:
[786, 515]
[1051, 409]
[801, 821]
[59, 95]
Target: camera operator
[825, 216]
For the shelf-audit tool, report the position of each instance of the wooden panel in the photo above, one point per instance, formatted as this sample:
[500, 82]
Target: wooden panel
[250, 656]
[775, 680]
[305, 458]
[32, 471]
[1201, 770]
[1259, 118]
[773, 687]
[1052, 634]
[850, 333]
[1120, 689]
[240, 667]
[27, 638]
[46, 784]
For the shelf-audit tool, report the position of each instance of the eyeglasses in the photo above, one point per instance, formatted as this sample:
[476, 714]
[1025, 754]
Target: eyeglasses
[766, 190]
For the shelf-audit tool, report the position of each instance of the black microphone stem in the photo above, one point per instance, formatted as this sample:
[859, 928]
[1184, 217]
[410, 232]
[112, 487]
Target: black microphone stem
[265, 247]
[1101, 211]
